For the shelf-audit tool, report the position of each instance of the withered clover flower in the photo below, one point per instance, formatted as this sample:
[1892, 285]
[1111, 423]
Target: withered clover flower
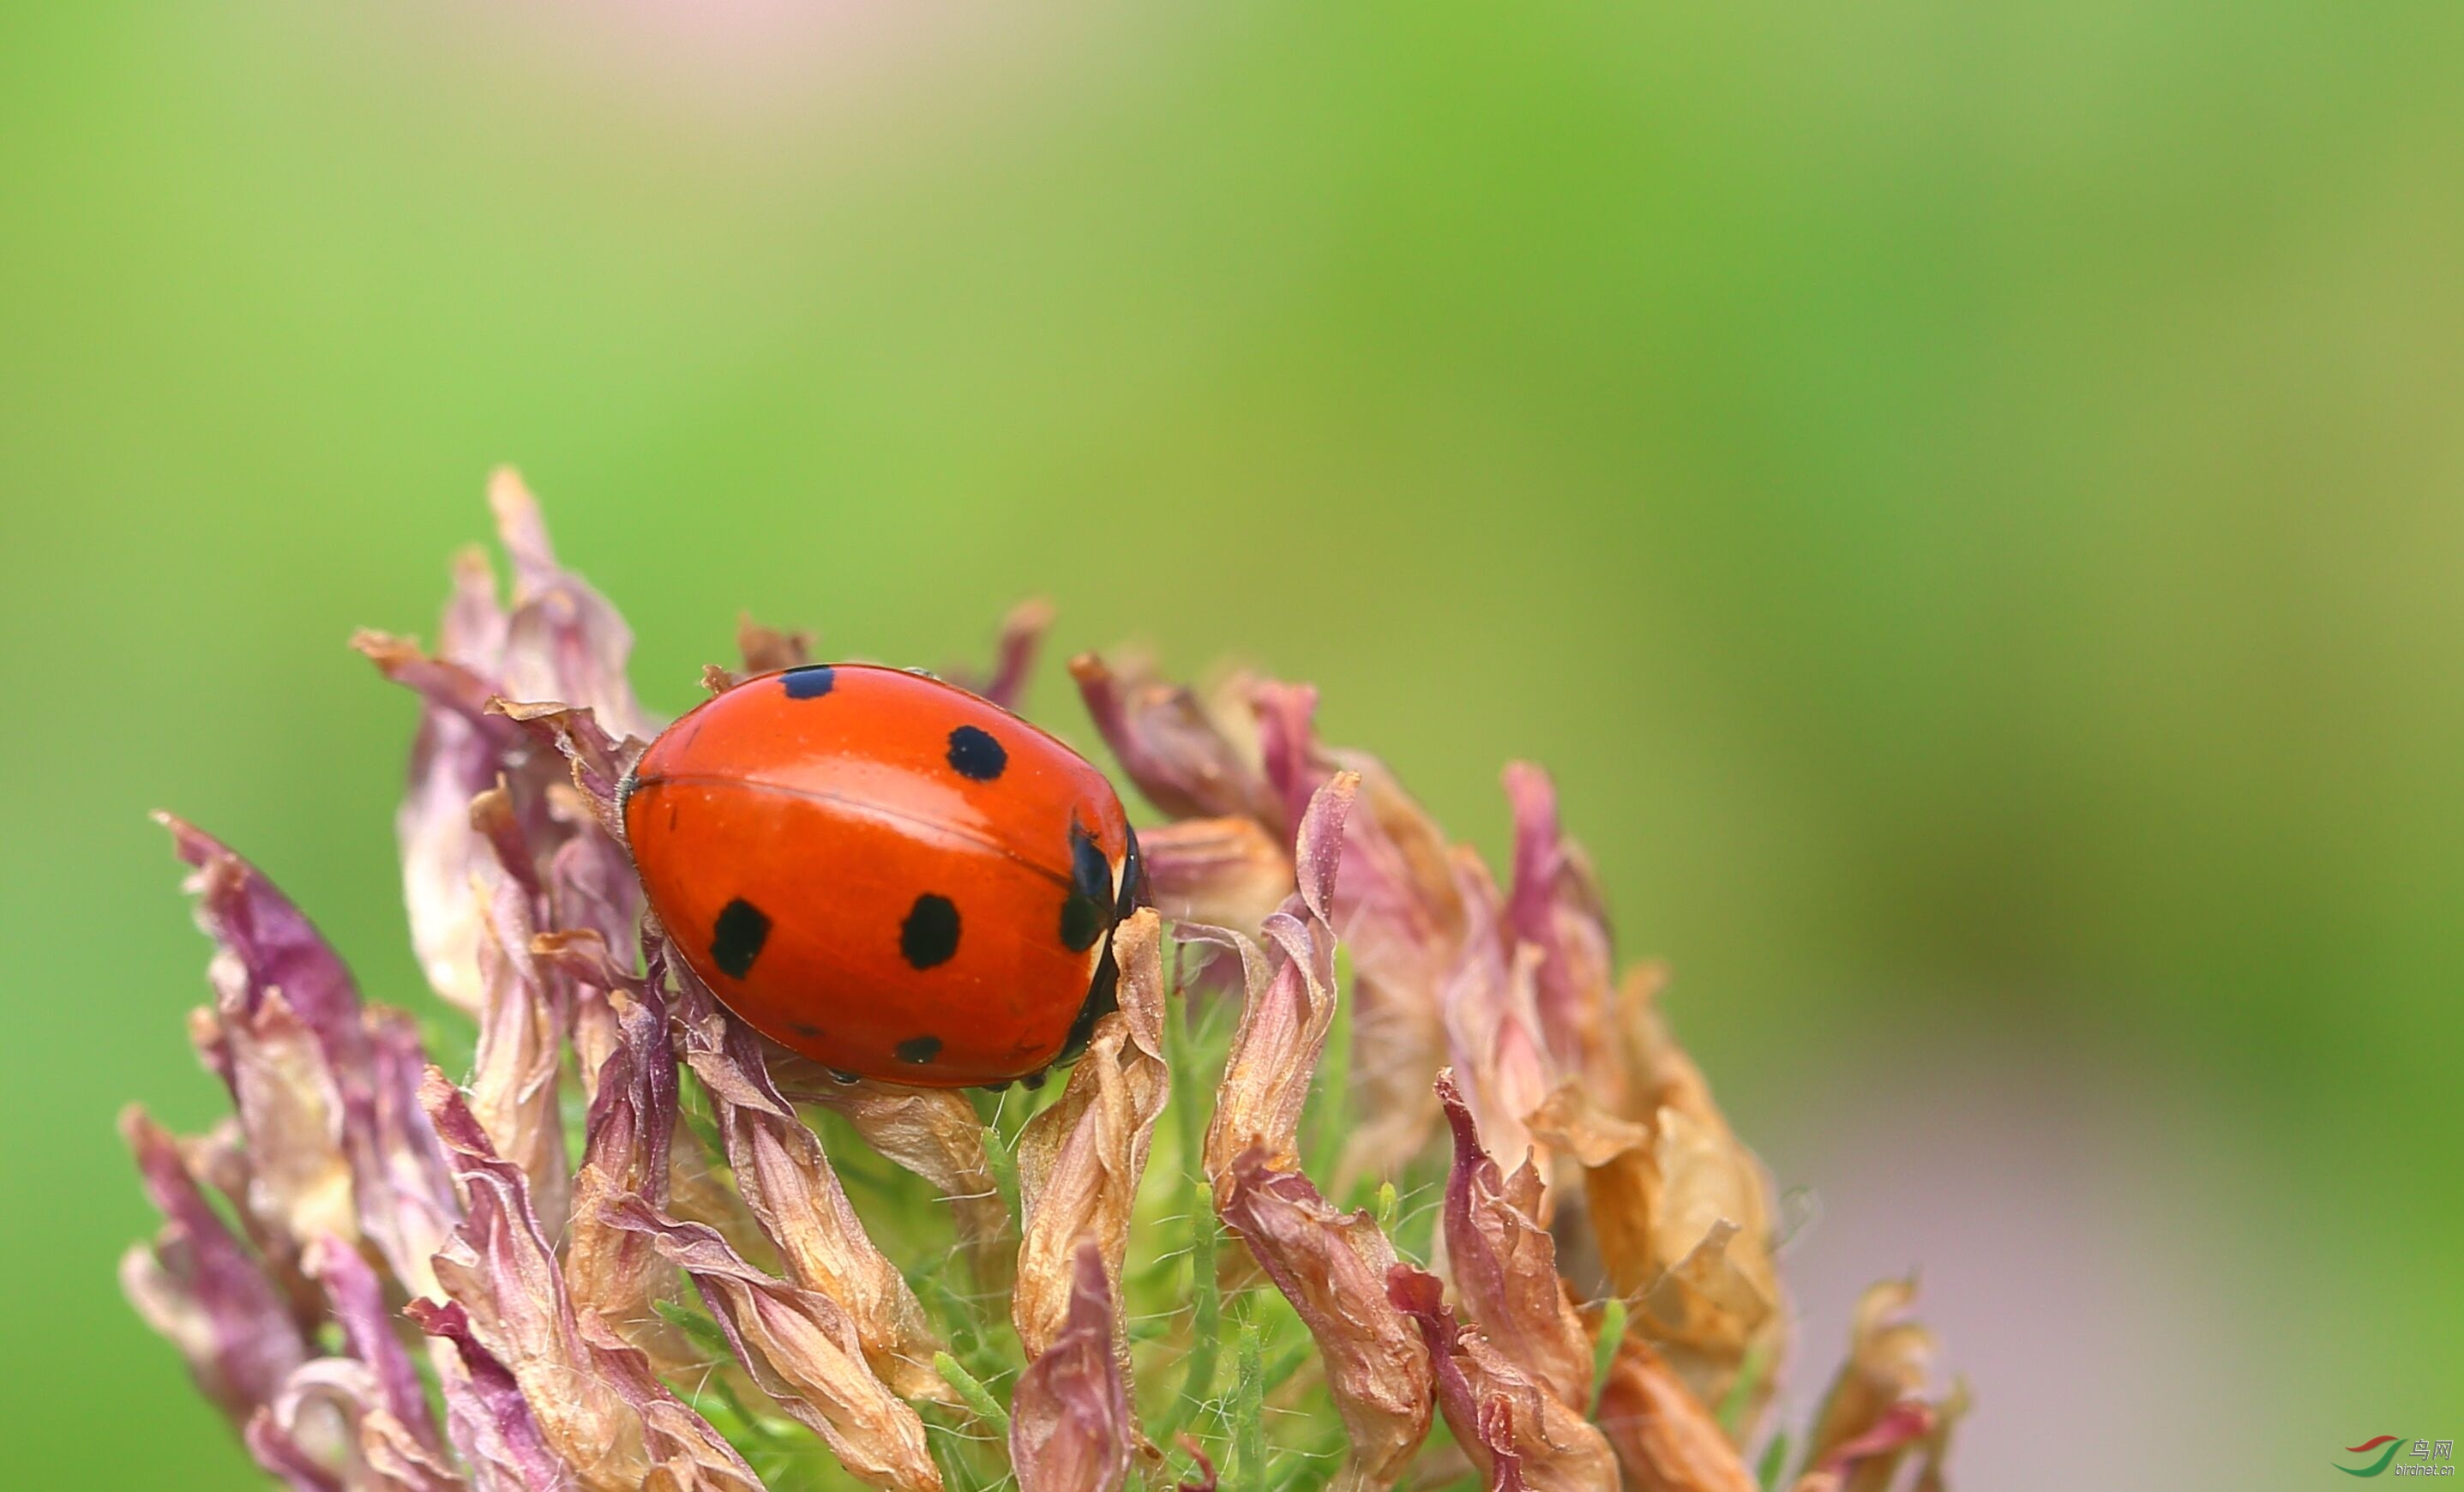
[637, 1246]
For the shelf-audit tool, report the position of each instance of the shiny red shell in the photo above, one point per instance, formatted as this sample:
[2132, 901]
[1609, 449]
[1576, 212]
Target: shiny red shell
[884, 873]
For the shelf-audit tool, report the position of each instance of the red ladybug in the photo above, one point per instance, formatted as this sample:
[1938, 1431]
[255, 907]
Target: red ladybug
[885, 873]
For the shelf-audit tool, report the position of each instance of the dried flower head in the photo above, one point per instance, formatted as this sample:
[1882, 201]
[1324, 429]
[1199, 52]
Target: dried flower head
[635, 1245]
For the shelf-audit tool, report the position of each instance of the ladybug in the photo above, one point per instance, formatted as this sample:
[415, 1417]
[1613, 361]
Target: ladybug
[886, 874]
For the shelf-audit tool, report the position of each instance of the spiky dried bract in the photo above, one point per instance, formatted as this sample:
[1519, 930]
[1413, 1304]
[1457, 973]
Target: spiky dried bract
[1509, 1424]
[1332, 1266]
[1554, 906]
[1071, 1429]
[1080, 1160]
[1189, 759]
[614, 1273]
[1285, 1020]
[791, 1190]
[802, 1350]
[1666, 1439]
[1504, 1262]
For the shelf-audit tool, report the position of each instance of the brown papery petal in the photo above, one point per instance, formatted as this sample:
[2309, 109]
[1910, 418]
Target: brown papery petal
[1509, 1425]
[1229, 873]
[802, 1350]
[1332, 1266]
[1665, 1437]
[1891, 1363]
[1178, 753]
[517, 1069]
[1556, 908]
[1284, 1021]
[1504, 1262]
[791, 1190]
[1079, 1162]
[1069, 1423]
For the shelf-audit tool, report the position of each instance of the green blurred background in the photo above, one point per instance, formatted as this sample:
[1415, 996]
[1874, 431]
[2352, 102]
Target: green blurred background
[1967, 498]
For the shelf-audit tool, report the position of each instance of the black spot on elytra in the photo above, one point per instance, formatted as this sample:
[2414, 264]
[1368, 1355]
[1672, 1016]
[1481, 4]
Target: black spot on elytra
[1086, 910]
[810, 682]
[976, 754]
[737, 938]
[919, 1050]
[929, 934]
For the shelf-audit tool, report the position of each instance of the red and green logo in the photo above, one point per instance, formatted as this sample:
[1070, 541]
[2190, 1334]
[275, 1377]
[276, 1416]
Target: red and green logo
[2393, 1442]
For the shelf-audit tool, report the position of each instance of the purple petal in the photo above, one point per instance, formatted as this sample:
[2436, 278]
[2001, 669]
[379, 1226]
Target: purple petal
[1070, 1426]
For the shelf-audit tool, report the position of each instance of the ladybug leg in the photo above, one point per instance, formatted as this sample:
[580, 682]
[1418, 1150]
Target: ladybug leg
[1103, 997]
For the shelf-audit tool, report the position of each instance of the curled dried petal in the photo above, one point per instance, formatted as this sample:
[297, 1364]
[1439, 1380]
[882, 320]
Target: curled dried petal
[517, 1072]
[615, 1274]
[792, 1191]
[330, 1430]
[485, 1417]
[766, 650]
[1332, 1266]
[802, 1350]
[359, 1307]
[1079, 1162]
[1492, 1017]
[1504, 1262]
[1869, 1416]
[291, 1110]
[1555, 906]
[403, 1180]
[1070, 1428]
[1230, 872]
[1509, 1425]
[1682, 1213]
[1284, 1021]
[1666, 1438]
[1022, 636]
[598, 1405]
[564, 640]
[1186, 759]
[934, 1134]
[198, 1286]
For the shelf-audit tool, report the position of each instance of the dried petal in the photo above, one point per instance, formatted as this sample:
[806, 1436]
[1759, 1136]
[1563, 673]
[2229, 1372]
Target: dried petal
[791, 1190]
[1665, 1437]
[1492, 1017]
[1511, 1426]
[802, 1350]
[359, 1307]
[264, 943]
[1284, 1021]
[198, 1286]
[1504, 1262]
[403, 1181]
[615, 1274]
[291, 1110]
[516, 1071]
[337, 1407]
[485, 1417]
[1186, 759]
[1555, 906]
[1079, 1162]
[1021, 635]
[766, 650]
[1870, 1416]
[934, 1134]
[1332, 1266]
[1069, 1427]
[1230, 872]
[564, 640]
[598, 1405]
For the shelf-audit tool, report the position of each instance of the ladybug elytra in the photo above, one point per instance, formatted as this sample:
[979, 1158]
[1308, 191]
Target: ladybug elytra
[885, 873]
